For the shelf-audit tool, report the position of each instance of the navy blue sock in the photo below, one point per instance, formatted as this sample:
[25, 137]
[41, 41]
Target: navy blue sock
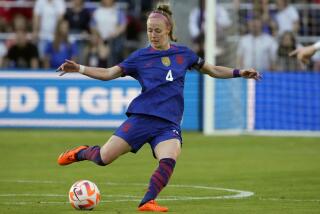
[159, 179]
[92, 153]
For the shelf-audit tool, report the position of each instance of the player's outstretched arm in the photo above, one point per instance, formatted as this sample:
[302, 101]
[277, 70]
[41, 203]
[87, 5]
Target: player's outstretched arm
[70, 66]
[225, 72]
[304, 54]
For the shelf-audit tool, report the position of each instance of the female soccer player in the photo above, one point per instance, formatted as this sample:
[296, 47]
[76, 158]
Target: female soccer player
[154, 116]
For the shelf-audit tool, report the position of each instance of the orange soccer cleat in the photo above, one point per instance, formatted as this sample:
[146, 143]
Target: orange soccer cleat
[69, 156]
[152, 206]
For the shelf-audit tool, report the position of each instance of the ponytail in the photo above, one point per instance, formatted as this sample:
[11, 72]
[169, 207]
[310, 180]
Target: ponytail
[165, 10]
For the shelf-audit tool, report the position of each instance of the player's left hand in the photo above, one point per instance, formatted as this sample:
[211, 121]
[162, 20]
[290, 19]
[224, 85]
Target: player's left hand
[250, 74]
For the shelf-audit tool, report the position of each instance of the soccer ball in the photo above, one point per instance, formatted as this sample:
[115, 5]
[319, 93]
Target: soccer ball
[84, 195]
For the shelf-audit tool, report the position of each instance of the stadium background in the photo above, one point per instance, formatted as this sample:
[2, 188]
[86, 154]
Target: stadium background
[282, 172]
[286, 101]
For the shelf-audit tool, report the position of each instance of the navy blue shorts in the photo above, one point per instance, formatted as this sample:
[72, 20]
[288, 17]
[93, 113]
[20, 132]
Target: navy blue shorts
[139, 129]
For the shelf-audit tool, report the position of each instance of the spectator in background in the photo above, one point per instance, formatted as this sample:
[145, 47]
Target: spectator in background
[78, 17]
[4, 19]
[60, 48]
[23, 54]
[3, 52]
[46, 14]
[19, 23]
[257, 49]
[7, 13]
[96, 52]
[286, 17]
[262, 8]
[197, 28]
[3, 24]
[110, 22]
[263, 11]
[287, 43]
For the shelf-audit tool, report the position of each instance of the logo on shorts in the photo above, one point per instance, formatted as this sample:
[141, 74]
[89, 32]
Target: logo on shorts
[176, 132]
[126, 127]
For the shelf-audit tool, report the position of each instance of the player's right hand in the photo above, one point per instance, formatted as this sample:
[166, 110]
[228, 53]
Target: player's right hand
[68, 66]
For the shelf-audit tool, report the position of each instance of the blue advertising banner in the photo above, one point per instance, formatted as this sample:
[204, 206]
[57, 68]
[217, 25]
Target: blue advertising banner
[43, 99]
[288, 101]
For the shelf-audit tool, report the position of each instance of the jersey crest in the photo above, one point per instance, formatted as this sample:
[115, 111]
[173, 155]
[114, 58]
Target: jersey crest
[166, 61]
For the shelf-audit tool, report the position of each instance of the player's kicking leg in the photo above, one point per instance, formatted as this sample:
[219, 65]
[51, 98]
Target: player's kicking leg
[166, 152]
[114, 148]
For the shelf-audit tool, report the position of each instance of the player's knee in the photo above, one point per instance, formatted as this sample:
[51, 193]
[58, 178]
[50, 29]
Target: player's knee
[176, 153]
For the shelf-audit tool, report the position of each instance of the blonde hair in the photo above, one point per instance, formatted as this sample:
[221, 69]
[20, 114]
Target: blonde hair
[165, 10]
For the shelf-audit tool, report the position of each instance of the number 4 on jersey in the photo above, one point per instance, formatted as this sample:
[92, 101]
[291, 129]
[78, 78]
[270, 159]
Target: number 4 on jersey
[169, 76]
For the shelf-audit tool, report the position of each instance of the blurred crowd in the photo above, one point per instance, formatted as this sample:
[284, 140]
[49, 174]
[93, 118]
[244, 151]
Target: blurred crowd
[46, 33]
[266, 32]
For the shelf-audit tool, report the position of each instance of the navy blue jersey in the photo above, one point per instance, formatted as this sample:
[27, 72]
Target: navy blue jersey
[161, 75]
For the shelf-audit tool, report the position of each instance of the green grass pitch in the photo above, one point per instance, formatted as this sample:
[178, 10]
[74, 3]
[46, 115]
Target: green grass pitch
[282, 172]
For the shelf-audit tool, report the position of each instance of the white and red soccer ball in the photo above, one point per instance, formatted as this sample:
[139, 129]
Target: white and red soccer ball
[84, 195]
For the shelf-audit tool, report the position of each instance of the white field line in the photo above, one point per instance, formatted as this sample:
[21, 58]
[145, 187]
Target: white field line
[61, 195]
[289, 200]
[31, 181]
[130, 198]
[125, 198]
[137, 200]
